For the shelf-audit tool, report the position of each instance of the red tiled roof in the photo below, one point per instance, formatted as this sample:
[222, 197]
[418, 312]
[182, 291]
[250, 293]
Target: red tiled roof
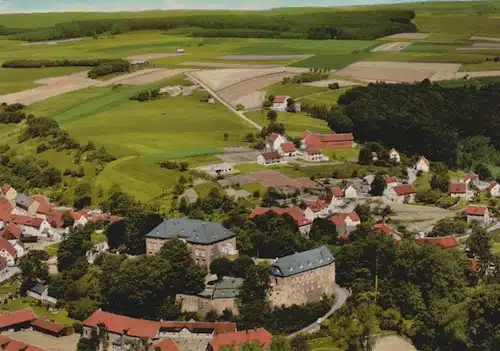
[294, 212]
[287, 147]
[77, 215]
[339, 218]
[272, 137]
[385, 229]
[402, 190]
[305, 134]
[6, 187]
[474, 265]
[45, 206]
[492, 185]
[11, 232]
[165, 345]
[354, 216]
[7, 246]
[33, 348]
[313, 151]
[48, 325]
[328, 140]
[13, 345]
[26, 220]
[317, 205]
[389, 180]
[14, 318]
[458, 188]
[476, 210]
[236, 339]
[445, 242]
[105, 217]
[470, 176]
[422, 158]
[336, 137]
[271, 155]
[5, 209]
[337, 192]
[280, 99]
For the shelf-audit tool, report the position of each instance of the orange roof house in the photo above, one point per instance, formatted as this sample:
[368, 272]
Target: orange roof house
[165, 345]
[327, 141]
[458, 188]
[236, 339]
[14, 320]
[476, 210]
[11, 232]
[294, 212]
[444, 242]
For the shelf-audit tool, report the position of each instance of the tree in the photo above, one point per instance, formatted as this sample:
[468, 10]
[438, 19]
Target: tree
[240, 107]
[378, 185]
[440, 181]
[272, 116]
[291, 105]
[266, 105]
[338, 120]
[483, 172]
[280, 343]
[479, 245]
[334, 86]
[252, 298]
[226, 136]
[448, 226]
[68, 220]
[33, 268]
[222, 267]
[241, 266]
[324, 231]
[89, 344]
[473, 150]
[74, 247]
[300, 343]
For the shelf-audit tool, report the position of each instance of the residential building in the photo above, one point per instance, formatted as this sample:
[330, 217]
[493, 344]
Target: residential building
[337, 198]
[391, 182]
[19, 247]
[394, 155]
[269, 158]
[385, 229]
[79, 218]
[317, 209]
[343, 220]
[236, 339]
[11, 232]
[8, 192]
[478, 213]
[314, 155]
[326, 141]
[220, 169]
[422, 165]
[458, 190]
[494, 189]
[275, 140]
[165, 345]
[280, 103]
[206, 240]
[295, 212]
[32, 226]
[444, 242]
[216, 297]
[40, 292]
[25, 205]
[8, 252]
[302, 277]
[18, 320]
[287, 149]
[7, 343]
[350, 192]
[6, 209]
[45, 206]
[401, 194]
[470, 177]
[123, 330]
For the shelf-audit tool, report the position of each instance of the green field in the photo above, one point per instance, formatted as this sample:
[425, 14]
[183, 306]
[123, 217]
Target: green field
[295, 90]
[327, 98]
[295, 123]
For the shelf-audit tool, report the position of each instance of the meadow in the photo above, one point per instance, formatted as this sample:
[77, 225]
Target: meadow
[295, 123]
[327, 98]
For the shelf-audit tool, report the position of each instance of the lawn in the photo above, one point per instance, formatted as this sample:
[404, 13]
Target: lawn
[9, 287]
[423, 182]
[295, 123]
[349, 154]
[51, 250]
[295, 90]
[328, 98]
[322, 344]
[97, 238]
[204, 189]
[40, 311]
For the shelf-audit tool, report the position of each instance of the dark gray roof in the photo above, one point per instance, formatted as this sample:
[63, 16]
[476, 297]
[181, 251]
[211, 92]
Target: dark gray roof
[39, 288]
[302, 262]
[192, 230]
[228, 287]
[24, 200]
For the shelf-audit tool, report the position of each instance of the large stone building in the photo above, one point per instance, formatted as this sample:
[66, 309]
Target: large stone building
[216, 297]
[302, 277]
[206, 240]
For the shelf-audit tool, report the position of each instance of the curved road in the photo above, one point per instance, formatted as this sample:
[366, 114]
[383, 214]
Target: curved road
[341, 295]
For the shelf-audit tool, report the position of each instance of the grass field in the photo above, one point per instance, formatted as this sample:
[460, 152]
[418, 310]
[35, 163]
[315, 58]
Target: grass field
[9, 287]
[295, 123]
[295, 90]
[327, 98]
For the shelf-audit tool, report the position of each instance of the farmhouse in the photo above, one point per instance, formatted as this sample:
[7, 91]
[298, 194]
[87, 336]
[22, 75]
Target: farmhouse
[444, 242]
[269, 158]
[343, 220]
[186, 335]
[220, 169]
[494, 189]
[7, 343]
[16, 320]
[275, 140]
[458, 190]
[280, 104]
[470, 177]
[295, 212]
[216, 297]
[422, 165]
[25, 205]
[8, 252]
[287, 149]
[478, 213]
[45, 206]
[394, 155]
[385, 229]
[314, 155]
[8, 192]
[236, 339]
[326, 141]
[206, 240]
[401, 194]
[302, 277]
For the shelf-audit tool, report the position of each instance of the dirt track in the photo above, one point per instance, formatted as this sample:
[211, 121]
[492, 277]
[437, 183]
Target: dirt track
[392, 47]
[393, 343]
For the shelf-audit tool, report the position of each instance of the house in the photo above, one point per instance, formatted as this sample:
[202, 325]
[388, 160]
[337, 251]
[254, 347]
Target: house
[478, 213]
[8, 252]
[317, 209]
[25, 205]
[337, 197]
[366, 183]
[314, 155]
[45, 206]
[123, 329]
[11, 232]
[269, 158]
[165, 345]
[79, 218]
[18, 320]
[458, 190]
[51, 328]
[302, 277]
[394, 155]
[385, 229]
[326, 141]
[287, 149]
[7, 343]
[40, 292]
[6, 209]
[350, 192]
[236, 339]
[391, 181]
[275, 140]
[32, 226]
[470, 177]
[444, 242]
[280, 104]
[295, 212]
[342, 220]
[220, 169]
[206, 240]
[422, 165]
[8, 192]
[216, 297]
[494, 189]
[19, 247]
[401, 194]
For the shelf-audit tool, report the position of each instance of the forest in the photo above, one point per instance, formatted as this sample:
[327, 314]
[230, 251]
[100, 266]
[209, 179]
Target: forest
[362, 25]
[441, 123]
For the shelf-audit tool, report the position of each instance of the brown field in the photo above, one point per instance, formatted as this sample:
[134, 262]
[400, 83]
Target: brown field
[392, 47]
[46, 342]
[419, 218]
[274, 179]
[264, 57]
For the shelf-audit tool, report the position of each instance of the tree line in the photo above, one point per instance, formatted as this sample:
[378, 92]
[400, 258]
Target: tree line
[363, 25]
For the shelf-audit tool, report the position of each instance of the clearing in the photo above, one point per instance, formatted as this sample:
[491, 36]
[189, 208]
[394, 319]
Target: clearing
[392, 47]
[419, 218]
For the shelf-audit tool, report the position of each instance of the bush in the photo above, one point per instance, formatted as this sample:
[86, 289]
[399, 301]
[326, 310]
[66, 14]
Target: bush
[41, 148]
[114, 66]
[334, 86]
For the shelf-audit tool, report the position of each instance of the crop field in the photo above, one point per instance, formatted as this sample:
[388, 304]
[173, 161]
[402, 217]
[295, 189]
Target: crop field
[295, 123]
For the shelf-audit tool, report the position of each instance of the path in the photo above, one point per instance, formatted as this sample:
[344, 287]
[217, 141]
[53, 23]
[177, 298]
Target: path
[412, 175]
[231, 108]
[341, 295]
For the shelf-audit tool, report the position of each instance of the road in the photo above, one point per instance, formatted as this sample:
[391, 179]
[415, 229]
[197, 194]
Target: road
[218, 98]
[341, 295]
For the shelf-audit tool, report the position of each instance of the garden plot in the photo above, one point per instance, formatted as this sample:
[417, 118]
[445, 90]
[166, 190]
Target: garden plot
[411, 36]
[152, 56]
[408, 72]
[392, 47]
[264, 57]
